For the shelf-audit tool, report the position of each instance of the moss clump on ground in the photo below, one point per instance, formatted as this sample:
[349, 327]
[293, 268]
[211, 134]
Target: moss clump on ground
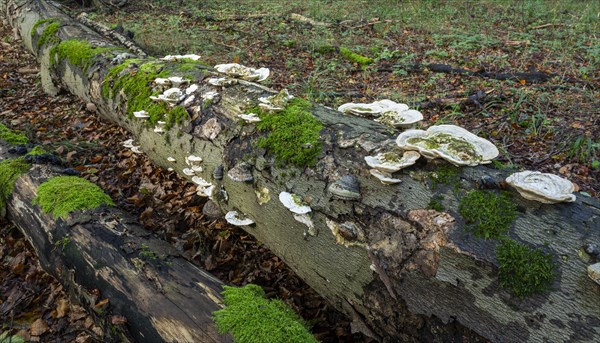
[293, 134]
[251, 318]
[138, 87]
[77, 52]
[12, 137]
[355, 58]
[524, 270]
[36, 151]
[62, 195]
[491, 213]
[10, 170]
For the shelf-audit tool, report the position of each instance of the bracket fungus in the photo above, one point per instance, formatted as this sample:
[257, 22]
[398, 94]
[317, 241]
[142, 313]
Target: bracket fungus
[134, 148]
[221, 81]
[141, 114]
[276, 102]
[385, 111]
[171, 95]
[452, 143]
[241, 173]
[193, 57]
[543, 187]
[160, 126]
[294, 203]
[191, 89]
[385, 178]
[243, 72]
[391, 162]
[346, 188]
[593, 272]
[250, 117]
[237, 219]
[204, 188]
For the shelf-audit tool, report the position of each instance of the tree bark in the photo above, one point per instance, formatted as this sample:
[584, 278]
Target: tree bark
[164, 297]
[417, 273]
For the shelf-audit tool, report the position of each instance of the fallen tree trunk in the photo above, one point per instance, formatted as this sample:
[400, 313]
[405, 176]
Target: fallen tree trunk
[402, 272]
[162, 296]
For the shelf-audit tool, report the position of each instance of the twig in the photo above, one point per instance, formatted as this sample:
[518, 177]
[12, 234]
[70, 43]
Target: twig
[546, 25]
[301, 18]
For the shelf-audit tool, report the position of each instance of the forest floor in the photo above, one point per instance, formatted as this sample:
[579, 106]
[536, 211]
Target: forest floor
[545, 116]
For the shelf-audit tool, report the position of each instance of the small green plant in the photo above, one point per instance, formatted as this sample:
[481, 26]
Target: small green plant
[62, 243]
[584, 149]
[147, 253]
[62, 195]
[523, 270]
[491, 213]
[292, 134]
[251, 318]
[10, 170]
[435, 204]
[5, 338]
[12, 137]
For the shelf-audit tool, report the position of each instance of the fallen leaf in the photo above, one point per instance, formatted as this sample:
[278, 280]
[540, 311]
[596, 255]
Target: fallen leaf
[39, 327]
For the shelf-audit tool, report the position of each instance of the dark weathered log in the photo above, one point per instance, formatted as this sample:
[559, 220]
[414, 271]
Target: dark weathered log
[416, 273]
[163, 297]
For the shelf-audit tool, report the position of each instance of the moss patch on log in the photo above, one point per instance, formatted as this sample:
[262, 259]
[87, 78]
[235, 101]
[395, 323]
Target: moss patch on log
[12, 137]
[77, 52]
[292, 134]
[251, 318]
[49, 35]
[490, 213]
[523, 270]
[62, 195]
[10, 170]
[137, 85]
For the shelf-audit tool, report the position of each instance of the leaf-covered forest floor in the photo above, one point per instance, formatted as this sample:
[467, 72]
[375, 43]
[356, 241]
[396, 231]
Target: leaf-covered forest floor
[547, 118]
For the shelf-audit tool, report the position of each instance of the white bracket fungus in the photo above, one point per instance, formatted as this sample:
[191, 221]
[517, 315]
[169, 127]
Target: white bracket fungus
[171, 95]
[452, 143]
[192, 160]
[385, 111]
[188, 171]
[593, 272]
[221, 81]
[141, 114]
[385, 178]
[160, 126]
[235, 218]
[134, 148]
[243, 72]
[250, 117]
[171, 159]
[306, 220]
[391, 162]
[294, 203]
[209, 95]
[543, 187]
[191, 89]
[179, 57]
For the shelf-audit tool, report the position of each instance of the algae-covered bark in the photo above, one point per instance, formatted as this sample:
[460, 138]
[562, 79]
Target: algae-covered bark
[410, 272]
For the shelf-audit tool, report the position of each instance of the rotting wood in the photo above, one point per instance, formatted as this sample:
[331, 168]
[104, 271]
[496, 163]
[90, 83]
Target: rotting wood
[445, 280]
[164, 297]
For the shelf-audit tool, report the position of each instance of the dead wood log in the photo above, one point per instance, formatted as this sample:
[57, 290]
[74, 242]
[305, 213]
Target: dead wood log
[409, 273]
[164, 297]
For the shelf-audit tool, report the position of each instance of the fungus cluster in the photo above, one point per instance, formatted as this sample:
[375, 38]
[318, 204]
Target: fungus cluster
[300, 211]
[384, 164]
[181, 57]
[238, 219]
[134, 148]
[239, 71]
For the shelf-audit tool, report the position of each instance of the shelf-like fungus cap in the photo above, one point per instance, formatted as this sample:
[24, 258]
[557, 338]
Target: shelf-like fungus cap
[593, 272]
[398, 118]
[243, 72]
[242, 172]
[141, 114]
[193, 159]
[188, 171]
[235, 218]
[543, 187]
[385, 178]
[452, 143]
[346, 188]
[200, 181]
[293, 203]
[391, 162]
[250, 117]
[360, 109]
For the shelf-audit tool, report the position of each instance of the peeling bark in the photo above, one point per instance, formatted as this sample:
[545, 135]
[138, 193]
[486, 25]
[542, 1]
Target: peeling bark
[416, 274]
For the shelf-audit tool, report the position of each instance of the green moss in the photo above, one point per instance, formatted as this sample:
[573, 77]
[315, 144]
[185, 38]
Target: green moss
[355, 58]
[435, 204]
[523, 270]
[49, 35]
[40, 22]
[251, 318]
[77, 52]
[138, 87]
[292, 134]
[62, 195]
[37, 150]
[176, 115]
[12, 137]
[10, 170]
[445, 174]
[491, 213]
